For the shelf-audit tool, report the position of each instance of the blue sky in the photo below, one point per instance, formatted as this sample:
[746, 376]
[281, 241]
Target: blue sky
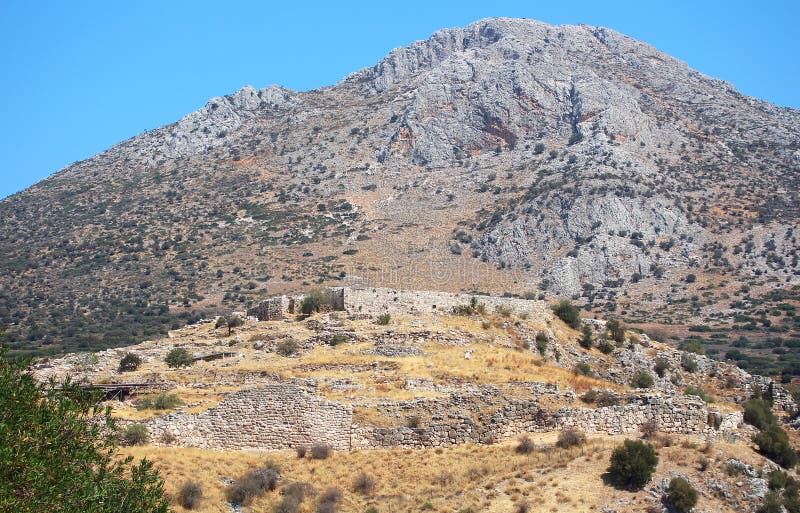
[78, 77]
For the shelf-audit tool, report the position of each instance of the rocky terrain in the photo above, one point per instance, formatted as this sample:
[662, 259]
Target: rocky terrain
[432, 403]
[508, 156]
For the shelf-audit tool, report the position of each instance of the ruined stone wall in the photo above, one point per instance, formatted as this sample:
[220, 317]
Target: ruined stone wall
[376, 301]
[276, 416]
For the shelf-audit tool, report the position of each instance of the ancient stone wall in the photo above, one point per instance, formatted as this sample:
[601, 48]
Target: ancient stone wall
[376, 301]
[276, 416]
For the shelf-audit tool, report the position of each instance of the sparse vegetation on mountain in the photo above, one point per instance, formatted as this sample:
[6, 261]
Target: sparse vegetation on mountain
[568, 313]
[179, 357]
[129, 362]
[681, 495]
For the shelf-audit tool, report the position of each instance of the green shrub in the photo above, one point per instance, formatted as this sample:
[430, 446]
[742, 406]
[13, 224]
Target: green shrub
[383, 319]
[758, 413]
[56, 456]
[134, 434]
[317, 301]
[160, 401]
[642, 379]
[253, 484]
[681, 495]
[568, 313]
[698, 392]
[129, 362]
[541, 343]
[615, 330]
[587, 340]
[693, 345]
[287, 347]
[503, 310]
[661, 366]
[179, 357]
[772, 503]
[582, 369]
[338, 338]
[189, 494]
[773, 442]
[688, 363]
[229, 321]
[633, 464]
[605, 347]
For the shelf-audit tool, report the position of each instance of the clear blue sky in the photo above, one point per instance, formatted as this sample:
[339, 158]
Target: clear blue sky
[77, 77]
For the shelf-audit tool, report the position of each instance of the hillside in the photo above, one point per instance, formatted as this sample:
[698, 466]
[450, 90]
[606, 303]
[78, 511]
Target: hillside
[508, 156]
[459, 407]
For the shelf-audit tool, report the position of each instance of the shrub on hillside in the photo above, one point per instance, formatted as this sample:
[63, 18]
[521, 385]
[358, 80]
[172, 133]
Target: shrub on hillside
[681, 495]
[160, 401]
[189, 494]
[773, 442]
[525, 445]
[251, 485]
[320, 451]
[632, 464]
[615, 331]
[688, 363]
[287, 347]
[605, 347]
[570, 438]
[129, 362]
[317, 301]
[698, 392]
[383, 319]
[582, 369]
[758, 413]
[364, 484]
[661, 367]
[134, 434]
[587, 340]
[642, 379]
[329, 500]
[568, 313]
[179, 357]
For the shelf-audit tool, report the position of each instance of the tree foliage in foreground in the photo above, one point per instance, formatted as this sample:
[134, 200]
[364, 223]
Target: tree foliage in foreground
[54, 459]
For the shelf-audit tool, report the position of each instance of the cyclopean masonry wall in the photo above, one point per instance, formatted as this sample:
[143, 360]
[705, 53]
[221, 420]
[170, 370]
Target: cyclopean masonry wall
[374, 301]
[276, 416]
[282, 416]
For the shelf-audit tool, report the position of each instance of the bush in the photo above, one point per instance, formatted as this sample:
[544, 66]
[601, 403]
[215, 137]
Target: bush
[615, 330]
[605, 347]
[317, 301]
[320, 451]
[661, 367]
[129, 362]
[54, 458]
[570, 438]
[693, 345]
[758, 413]
[772, 503]
[189, 494]
[383, 319]
[293, 496]
[161, 401]
[253, 484]
[329, 500]
[698, 392]
[582, 369]
[525, 445]
[503, 310]
[633, 464]
[541, 342]
[179, 357]
[606, 398]
[134, 434]
[301, 451]
[586, 341]
[681, 495]
[773, 442]
[364, 484]
[287, 347]
[229, 321]
[642, 379]
[568, 313]
[688, 363]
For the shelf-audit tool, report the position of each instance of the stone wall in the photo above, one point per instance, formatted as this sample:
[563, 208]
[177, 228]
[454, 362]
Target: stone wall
[376, 301]
[276, 416]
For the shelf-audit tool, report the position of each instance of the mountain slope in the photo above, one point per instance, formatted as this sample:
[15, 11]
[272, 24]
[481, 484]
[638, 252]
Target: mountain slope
[507, 156]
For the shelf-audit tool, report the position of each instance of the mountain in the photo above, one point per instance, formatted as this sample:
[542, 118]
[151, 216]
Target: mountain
[509, 156]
